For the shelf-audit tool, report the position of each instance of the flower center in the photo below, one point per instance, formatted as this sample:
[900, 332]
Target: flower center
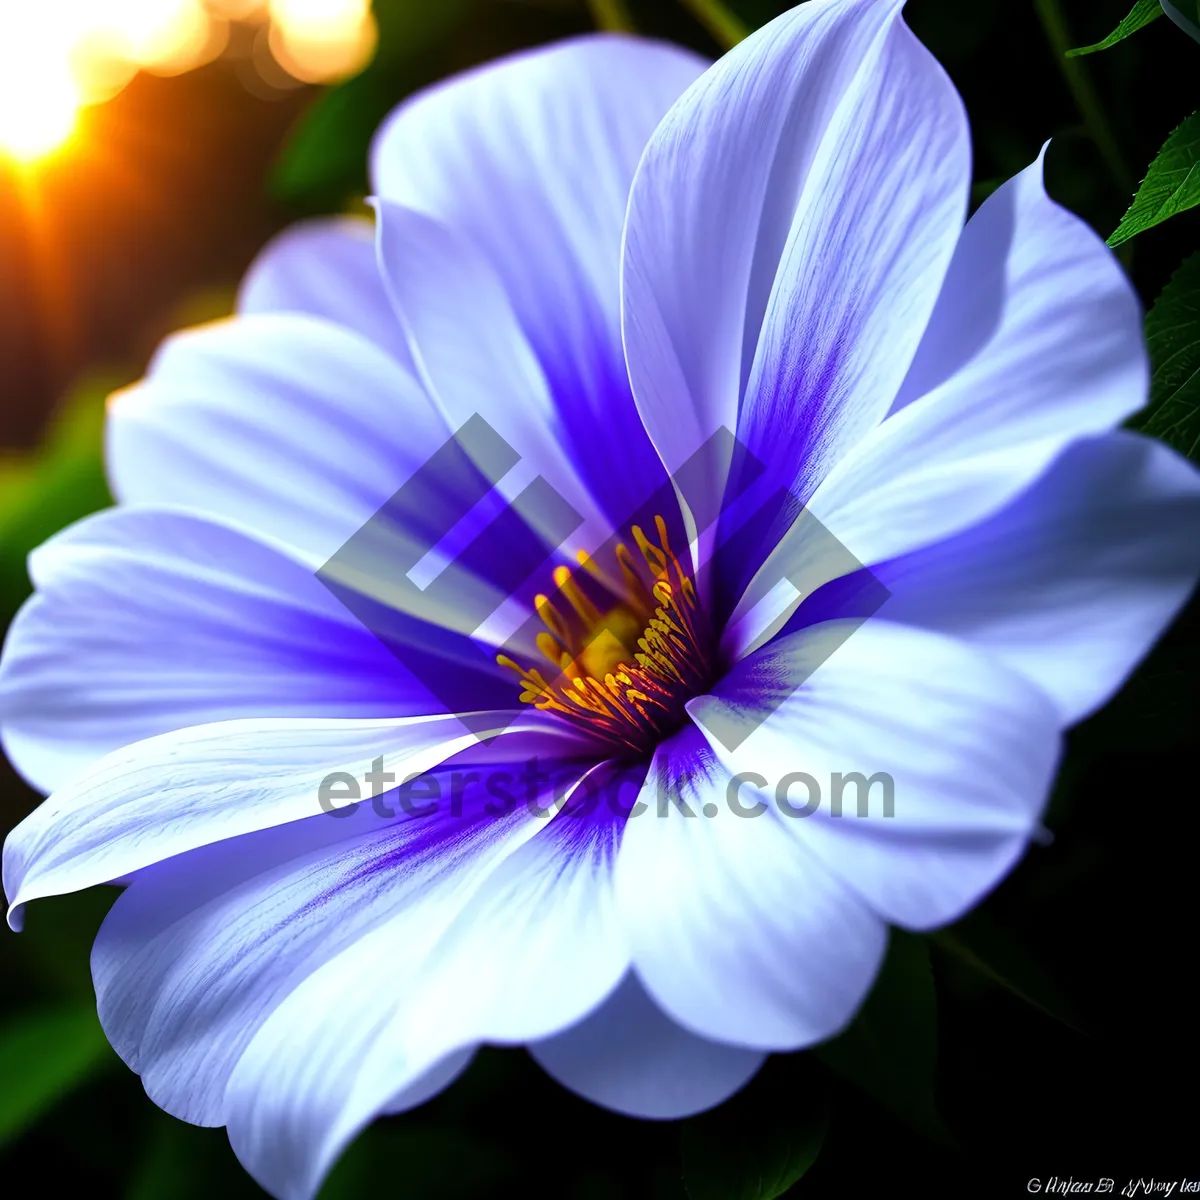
[627, 656]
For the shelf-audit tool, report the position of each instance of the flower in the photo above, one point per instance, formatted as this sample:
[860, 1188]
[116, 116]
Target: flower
[604, 254]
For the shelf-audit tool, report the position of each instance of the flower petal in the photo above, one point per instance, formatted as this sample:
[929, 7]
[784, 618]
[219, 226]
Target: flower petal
[739, 933]
[439, 1077]
[199, 949]
[630, 1057]
[288, 424]
[306, 434]
[513, 946]
[327, 268]
[199, 952]
[218, 781]
[1074, 581]
[473, 357]
[965, 747]
[788, 231]
[1036, 341]
[145, 621]
[531, 159]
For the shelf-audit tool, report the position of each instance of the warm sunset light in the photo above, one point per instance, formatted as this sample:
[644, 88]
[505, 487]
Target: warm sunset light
[316, 40]
[38, 108]
[57, 56]
[165, 36]
[38, 93]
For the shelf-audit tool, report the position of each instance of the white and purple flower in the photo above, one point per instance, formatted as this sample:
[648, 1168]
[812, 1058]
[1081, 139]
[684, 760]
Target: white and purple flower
[610, 251]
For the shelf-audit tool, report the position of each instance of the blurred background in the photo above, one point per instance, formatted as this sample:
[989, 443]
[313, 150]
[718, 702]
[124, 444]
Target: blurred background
[148, 148]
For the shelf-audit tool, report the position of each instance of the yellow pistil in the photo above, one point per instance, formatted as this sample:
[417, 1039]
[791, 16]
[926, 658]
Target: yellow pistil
[623, 665]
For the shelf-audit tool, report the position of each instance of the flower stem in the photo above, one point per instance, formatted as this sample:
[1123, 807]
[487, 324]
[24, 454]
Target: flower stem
[612, 16]
[1075, 74]
[724, 28]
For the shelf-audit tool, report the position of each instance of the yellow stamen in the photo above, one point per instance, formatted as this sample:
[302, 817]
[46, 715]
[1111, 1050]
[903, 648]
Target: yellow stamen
[585, 610]
[624, 665]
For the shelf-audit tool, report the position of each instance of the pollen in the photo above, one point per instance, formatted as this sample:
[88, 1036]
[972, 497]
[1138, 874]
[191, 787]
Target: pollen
[626, 651]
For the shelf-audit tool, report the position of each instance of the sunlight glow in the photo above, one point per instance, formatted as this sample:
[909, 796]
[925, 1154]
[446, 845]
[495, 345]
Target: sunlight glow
[164, 36]
[318, 40]
[38, 109]
[39, 97]
[57, 56]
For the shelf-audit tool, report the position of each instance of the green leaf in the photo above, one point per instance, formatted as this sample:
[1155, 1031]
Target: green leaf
[1144, 11]
[43, 1056]
[324, 161]
[1172, 184]
[59, 483]
[890, 1049]
[990, 951]
[757, 1145]
[1173, 338]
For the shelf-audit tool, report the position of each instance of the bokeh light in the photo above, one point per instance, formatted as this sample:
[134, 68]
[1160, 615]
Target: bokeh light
[39, 95]
[57, 56]
[164, 36]
[316, 40]
[39, 100]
